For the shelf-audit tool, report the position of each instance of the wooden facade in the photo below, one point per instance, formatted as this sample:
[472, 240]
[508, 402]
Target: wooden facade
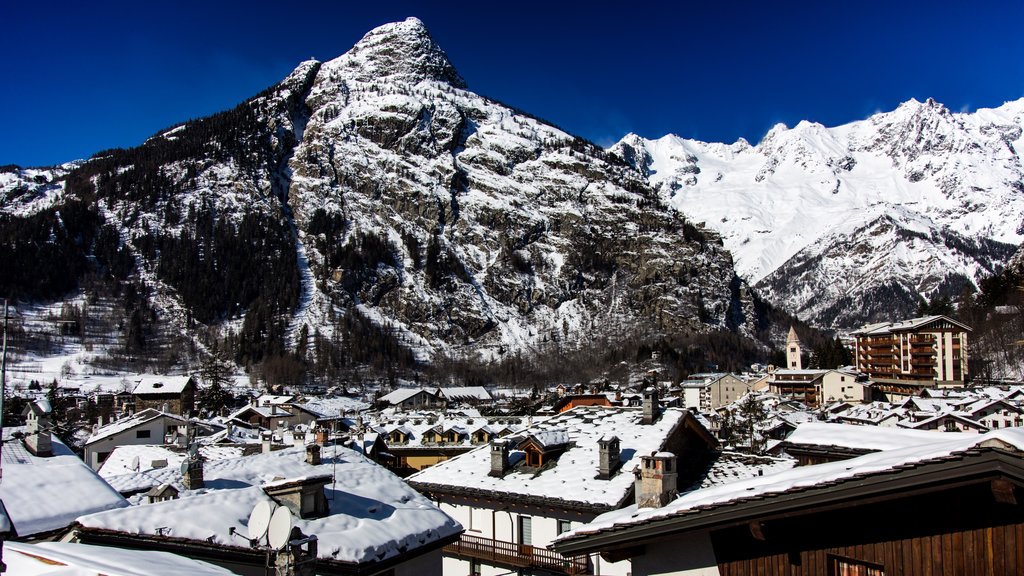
[965, 532]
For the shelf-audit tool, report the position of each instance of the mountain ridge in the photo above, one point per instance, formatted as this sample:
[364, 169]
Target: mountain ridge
[955, 176]
[371, 209]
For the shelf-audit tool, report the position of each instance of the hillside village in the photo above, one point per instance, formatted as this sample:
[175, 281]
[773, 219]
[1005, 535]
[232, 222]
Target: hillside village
[578, 478]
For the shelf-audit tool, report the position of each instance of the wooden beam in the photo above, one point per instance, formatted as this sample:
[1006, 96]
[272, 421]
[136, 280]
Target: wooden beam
[1002, 490]
[619, 554]
[757, 530]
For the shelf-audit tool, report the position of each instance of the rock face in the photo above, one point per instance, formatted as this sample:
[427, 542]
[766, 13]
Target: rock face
[376, 186]
[855, 223]
[489, 229]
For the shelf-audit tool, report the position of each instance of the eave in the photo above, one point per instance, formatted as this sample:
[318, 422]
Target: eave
[942, 474]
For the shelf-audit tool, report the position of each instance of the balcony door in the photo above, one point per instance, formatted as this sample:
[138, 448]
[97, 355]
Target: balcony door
[526, 534]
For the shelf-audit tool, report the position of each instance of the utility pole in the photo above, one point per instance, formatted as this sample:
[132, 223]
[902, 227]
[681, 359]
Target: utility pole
[3, 376]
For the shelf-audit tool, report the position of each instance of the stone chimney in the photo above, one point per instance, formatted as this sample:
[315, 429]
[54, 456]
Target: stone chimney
[499, 458]
[656, 480]
[609, 457]
[650, 406]
[313, 454]
[193, 478]
[303, 496]
[37, 428]
[265, 440]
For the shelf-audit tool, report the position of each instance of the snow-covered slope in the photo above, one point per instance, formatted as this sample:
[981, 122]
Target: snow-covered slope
[918, 198]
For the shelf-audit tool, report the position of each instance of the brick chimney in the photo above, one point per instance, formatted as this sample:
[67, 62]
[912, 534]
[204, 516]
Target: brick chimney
[193, 477]
[499, 458]
[303, 496]
[650, 406]
[656, 480]
[608, 449]
[313, 454]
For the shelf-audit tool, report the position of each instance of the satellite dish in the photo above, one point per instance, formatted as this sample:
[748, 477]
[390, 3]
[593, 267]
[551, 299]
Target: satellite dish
[184, 466]
[259, 519]
[193, 449]
[280, 530]
[135, 463]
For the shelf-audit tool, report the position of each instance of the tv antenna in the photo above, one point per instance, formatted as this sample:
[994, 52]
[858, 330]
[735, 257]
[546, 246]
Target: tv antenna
[280, 530]
[259, 521]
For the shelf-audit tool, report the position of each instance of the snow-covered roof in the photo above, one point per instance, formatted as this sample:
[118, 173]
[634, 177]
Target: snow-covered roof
[802, 478]
[402, 394]
[418, 425]
[68, 559]
[731, 466]
[45, 494]
[456, 393]
[151, 384]
[571, 479]
[860, 437]
[373, 514]
[271, 411]
[119, 472]
[333, 407]
[882, 328]
[551, 438]
[273, 399]
[137, 419]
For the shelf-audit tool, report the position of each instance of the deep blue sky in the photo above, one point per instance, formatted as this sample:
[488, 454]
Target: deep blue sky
[78, 77]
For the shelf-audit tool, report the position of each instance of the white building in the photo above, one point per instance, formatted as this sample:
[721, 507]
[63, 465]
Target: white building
[146, 427]
[515, 495]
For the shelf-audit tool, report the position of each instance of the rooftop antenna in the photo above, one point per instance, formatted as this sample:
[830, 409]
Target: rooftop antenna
[135, 464]
[280, 529]
[259, 521]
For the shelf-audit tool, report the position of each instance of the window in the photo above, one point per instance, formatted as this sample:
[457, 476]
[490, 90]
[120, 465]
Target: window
[950, 426]
[848, 567]
[564, 526]
[142, 433]
[525, 530]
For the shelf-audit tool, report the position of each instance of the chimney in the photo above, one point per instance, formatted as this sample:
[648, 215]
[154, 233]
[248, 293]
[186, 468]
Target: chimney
[37, 428]
[303, 496]
[313, 454]
[265, 440]
[499, 458]
[650, 406]
[609, 457]
[655, 480]
[193, 479]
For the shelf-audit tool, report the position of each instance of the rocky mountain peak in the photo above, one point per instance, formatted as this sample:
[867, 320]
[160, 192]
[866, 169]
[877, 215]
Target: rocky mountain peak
[402, 51]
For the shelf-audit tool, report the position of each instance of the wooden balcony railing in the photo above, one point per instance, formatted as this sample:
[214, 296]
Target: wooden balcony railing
[516, 555]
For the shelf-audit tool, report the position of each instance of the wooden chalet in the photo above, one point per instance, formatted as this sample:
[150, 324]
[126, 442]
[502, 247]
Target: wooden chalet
[952, 511]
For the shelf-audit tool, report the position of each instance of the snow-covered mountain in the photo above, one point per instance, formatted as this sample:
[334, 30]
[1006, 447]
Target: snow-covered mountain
[854, 223]
[373, 200]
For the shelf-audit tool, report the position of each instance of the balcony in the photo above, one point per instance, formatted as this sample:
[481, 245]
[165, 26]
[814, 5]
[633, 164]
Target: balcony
[514, 555]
